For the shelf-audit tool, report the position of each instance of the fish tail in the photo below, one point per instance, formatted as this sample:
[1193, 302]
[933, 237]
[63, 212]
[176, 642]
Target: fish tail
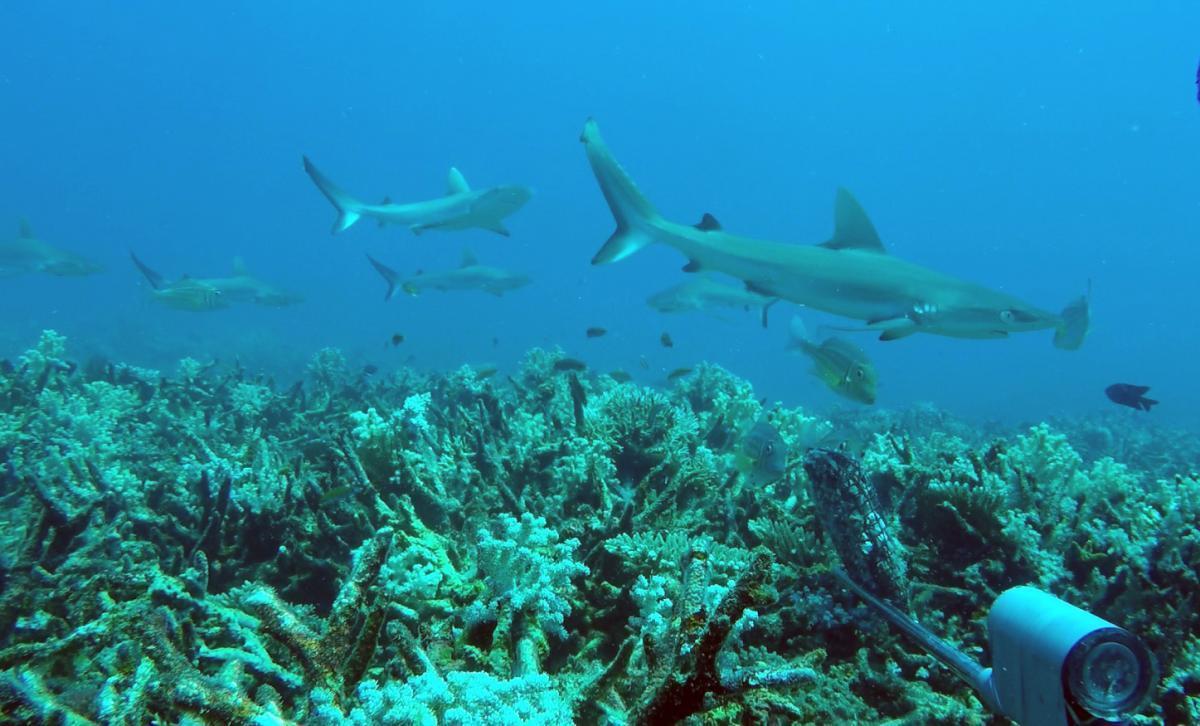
[389, 275]
[349, 209]
[797, 334]
[634, 214]
[155, 279]
[1146, 403]
[1076, 320]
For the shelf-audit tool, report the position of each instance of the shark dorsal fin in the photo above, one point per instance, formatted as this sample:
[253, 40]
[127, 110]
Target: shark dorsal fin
[24, 230]
[456, 183]
[708, 223]
[468, 259]
[239, 267]
[852, 228]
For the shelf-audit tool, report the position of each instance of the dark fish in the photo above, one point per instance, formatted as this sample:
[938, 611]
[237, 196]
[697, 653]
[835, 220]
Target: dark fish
[370, 369]
[1126, 394]
[645, 364]
[620, 376]
[485, 372]
[569, 364]
[495, 341]
[596, 332]
[1198, 83]
[666, 341]
[678, 373]
[6, 366]
[397, 338]
[578, 402]
[762, 457]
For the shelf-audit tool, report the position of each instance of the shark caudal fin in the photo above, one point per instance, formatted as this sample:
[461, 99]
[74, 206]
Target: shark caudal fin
[633, 212]
[156, 280]
[1076, 320]
[797, 334]
[389, 276]
[349, 209]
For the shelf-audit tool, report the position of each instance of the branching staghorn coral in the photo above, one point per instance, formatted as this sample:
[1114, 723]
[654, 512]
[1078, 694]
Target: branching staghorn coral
[187, 558]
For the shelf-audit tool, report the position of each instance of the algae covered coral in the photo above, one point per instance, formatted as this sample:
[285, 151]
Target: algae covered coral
[205, 546]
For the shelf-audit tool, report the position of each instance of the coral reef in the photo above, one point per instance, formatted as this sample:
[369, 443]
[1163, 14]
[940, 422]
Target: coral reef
[208, 547]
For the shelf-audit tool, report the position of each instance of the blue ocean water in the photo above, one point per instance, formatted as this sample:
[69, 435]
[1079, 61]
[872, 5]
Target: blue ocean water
[1032, 147]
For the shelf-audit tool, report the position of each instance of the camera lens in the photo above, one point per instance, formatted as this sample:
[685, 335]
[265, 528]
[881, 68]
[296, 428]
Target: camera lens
[1109, 672]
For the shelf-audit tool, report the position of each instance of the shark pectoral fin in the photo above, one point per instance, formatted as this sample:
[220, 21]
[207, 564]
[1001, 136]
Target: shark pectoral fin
[708, 223]
[897, 333]
[498, 228]
[417, 229]
[456, 183]
[852, 228]
[692, 266]
[759, 288]
[498, 292]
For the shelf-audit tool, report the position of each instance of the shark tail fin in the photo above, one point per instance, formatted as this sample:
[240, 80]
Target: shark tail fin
[635, 215]
[390, 276]
[349, 209]
[1076, 320]
[155, 279]
[798, 338]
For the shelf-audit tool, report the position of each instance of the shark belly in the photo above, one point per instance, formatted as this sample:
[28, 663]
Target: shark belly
[836, 282]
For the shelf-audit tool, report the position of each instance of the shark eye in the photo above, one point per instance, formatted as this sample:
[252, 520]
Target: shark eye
[1006, 316]
[859, 374]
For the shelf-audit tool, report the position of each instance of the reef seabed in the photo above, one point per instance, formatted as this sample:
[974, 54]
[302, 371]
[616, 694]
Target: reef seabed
[207, 547]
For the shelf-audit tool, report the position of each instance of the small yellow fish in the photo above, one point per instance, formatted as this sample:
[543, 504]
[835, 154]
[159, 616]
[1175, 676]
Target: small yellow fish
[840, 364]
[335, 495]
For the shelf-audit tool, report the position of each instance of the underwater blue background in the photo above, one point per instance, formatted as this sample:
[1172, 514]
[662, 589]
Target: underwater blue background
[1030, 147]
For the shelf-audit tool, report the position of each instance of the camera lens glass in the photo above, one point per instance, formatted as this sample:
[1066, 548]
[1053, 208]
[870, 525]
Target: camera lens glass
[1109, 672]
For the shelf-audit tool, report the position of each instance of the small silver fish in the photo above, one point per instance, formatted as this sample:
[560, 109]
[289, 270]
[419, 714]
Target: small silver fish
[762, 456]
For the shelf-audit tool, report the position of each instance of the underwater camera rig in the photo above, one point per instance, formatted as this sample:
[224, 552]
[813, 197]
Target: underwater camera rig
[1052, 663]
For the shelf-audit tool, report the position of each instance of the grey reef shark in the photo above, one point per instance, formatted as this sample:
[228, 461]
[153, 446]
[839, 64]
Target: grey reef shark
[469, 275]
[850, 275]
[26, 253]
[702, 293]
[202, 294]
[460, 208]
